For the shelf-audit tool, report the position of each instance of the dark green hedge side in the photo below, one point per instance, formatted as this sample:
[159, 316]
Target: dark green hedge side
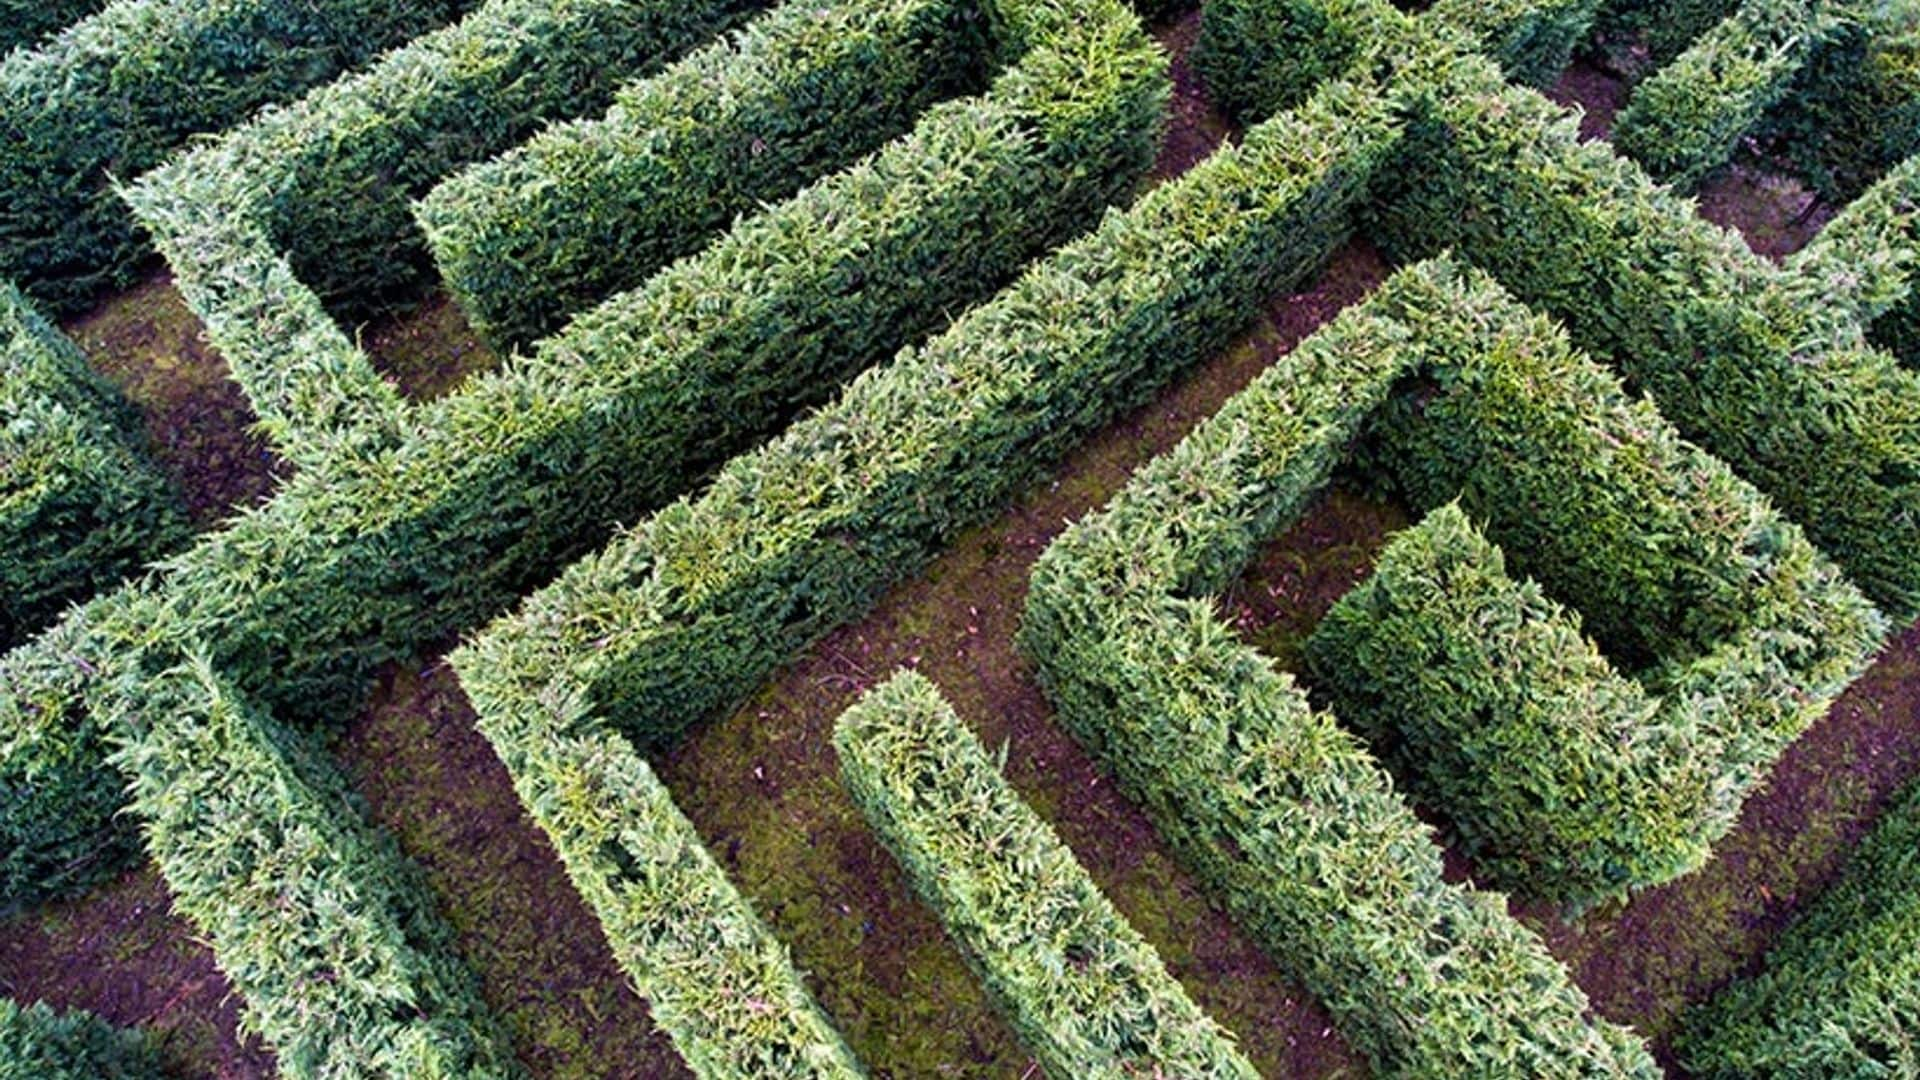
[1531, 40]
[523, 241]
[689, 611]
[714, 977]
[1085, 991]
[1856, 110]
[382, 549]
[81, 507]
[37, 1043]
[1839, 995]
[1277, 808]
[1688, 118]
[24, 22]
[324, 929]
[1864, 266]
[1735, 351]
[120, 90]
[1663, 28]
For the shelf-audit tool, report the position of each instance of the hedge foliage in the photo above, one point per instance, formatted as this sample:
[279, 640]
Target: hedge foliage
[1733, 349]
[523, 240]
[1839, 996]
[81, 507]
[1274, 805]
[24, 22]
[324, 929]
[306, 206]
[1687, 119]
[37, 1043]
[379, 550]
[1856, 110]
[1664, 28]
[1864, 266]
[118, 91]
[1084, 990]
[689, 611]
[715, 979]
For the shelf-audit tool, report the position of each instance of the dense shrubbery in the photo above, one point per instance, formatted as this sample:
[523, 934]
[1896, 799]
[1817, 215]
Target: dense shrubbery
[1864, 266]
[524, 240]
[375, 551]
[23, 22]
[319, 922]
[37, 1043]
[1085, 991]
[1839, 996]
[1273, 804]
[714, 977]
[121, 89]
[1687, 119]
[1856, 110]
[1664, 27]
[1734, 350]
[80, 506]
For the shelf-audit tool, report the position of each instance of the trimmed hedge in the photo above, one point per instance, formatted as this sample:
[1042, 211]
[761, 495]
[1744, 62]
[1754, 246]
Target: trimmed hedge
[1687, 119]
[37, 1043]
[714, 977]
[1733, 349]
[326, 181]
[691, 609]
[1839, 996]
[1856, 111]
[23, 22]
[1864, 266]
[523, 240]
[377, 551]
[323, 928]
[81, 507]
[1273, 804]
[121, 89]
[1085, 991]
[1665, 28]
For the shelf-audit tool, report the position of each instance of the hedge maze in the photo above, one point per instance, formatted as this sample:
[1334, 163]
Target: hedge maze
[793, 297]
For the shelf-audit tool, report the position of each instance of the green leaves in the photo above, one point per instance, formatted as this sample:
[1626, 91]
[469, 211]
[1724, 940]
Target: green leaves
[37, 1043]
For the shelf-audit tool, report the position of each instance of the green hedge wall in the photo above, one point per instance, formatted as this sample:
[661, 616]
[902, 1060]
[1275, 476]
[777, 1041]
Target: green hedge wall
[1664, 28]
[1085, 991]
[1864, 266]
[378, 551]
[691, 609]
[24, 22]
[715, 979]
[1277, 808]
[1839, 996]
[1856, 110]
[324, 929]
[523, 240]
[120, 90]
[1734, 350]
[81, 508]
[1688, 118]
[37, 1043]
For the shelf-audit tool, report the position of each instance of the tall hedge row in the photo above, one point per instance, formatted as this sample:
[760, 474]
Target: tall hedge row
[37, 1043]
[24, 22]
[81, 507]
[1856, 110]
[1276, 807]
[1688, 118]
[379, 549]
[1735, 351]
[714, 977]
[523, 240]
[119, 90]
[1085, 991]
[1864, 266]
[691, 609]
[1664, 28]
[1839, 995]
[324, 929]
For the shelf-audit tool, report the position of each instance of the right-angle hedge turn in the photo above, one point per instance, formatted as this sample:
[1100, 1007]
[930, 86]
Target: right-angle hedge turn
[81, 507]
[1839, 995]
[524, 241]
[1085, 991]
[118, 91]
[37, 1043]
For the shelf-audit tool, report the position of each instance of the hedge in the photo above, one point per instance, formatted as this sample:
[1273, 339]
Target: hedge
[324, 929]
[1864, 263]
[1663, 28]
[715, 979]
[24, 22]
[1856, 110]
[1733, 349]
[1259, 57]
[1688, 118]
[1276, 807]
[1083, 989]
[1839, 996]
[523, 240]
[687, 612]
[81, 507]
[37, 1043]
[119, 90]
[306, 206]
[379, 551]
